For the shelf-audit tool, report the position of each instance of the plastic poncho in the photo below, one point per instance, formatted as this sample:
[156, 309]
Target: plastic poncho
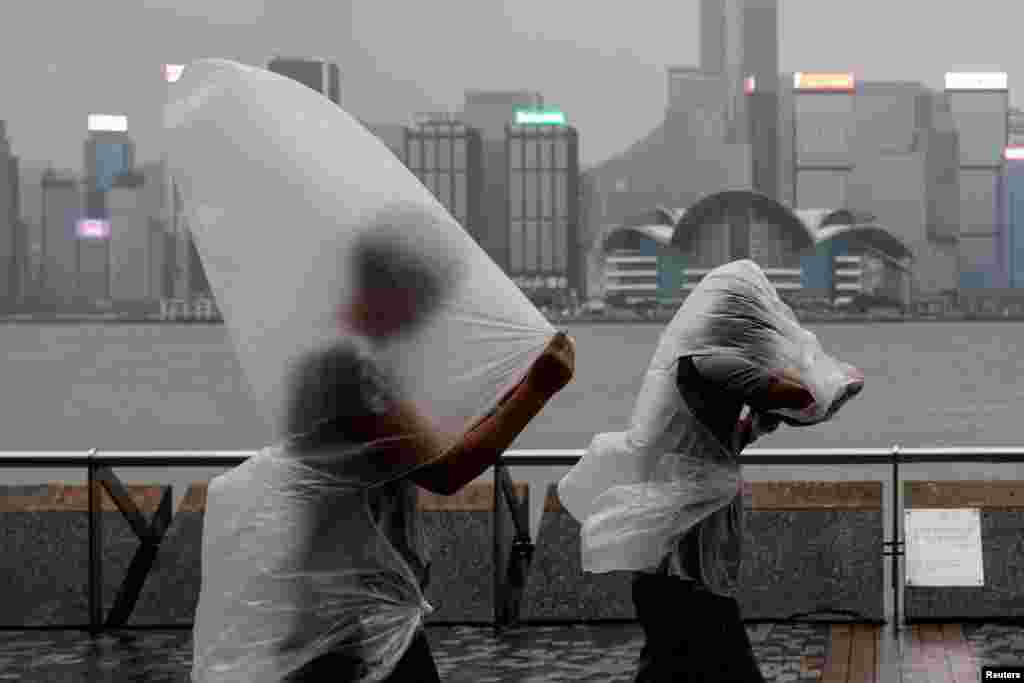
[279, 185]
[637, 492]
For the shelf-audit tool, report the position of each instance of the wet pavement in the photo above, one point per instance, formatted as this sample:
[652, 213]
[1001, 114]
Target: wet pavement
[789, 653]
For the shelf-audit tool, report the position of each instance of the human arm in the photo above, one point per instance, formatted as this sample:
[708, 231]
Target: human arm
[406, 440]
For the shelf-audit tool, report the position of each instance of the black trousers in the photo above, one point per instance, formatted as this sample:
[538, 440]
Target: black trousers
[416, 666]
[692, 635]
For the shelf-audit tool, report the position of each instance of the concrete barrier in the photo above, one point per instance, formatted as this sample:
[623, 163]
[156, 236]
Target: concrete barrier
[458, 529]
[809, 546]
[1002, 544]
[44, 551]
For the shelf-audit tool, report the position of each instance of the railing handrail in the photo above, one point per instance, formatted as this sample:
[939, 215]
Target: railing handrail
[532, 457]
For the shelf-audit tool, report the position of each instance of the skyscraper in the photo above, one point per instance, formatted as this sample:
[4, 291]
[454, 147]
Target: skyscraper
[319, 74]
[760, 71]
[62, 210]
[8, 222]
[740, 44]
[980, 106]
[490, 112]
[109, 151]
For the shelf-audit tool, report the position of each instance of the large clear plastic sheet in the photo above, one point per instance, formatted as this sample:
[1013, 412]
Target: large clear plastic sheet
[637, 492]
[280, 185]
[282, 189]
[281, 587]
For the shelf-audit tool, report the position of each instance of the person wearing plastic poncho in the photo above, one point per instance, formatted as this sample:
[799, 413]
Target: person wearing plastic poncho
[317, 574]
[664, 499]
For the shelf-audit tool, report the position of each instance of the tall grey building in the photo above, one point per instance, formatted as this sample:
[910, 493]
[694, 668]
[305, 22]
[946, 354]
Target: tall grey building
[319, 74]
[490, 112]
[62, 209]
[979, 104]
[9, 261]
[740, 44]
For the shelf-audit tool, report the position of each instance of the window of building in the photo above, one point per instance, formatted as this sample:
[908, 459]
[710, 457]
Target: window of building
[531, 263]
[459, 146]
[444, 151]
[515, 244]
[461, 209]
[515, 190]
[429, 153]
[547, 246]
[415, 153]
[515, 152]
[561, 235]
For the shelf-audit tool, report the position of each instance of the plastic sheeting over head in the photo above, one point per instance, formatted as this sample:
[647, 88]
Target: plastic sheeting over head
[303, 218]
[280, 187]
[637, 492]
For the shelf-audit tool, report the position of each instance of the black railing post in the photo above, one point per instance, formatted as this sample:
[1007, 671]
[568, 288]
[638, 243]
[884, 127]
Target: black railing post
[95, 548]
[897, 540]
[497, 526]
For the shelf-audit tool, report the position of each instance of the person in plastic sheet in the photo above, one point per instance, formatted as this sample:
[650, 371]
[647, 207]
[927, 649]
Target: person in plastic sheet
[707, 640]
[663, 498]
[340, 397]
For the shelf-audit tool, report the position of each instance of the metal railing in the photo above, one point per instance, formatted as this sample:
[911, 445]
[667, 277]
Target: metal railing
[511, 565]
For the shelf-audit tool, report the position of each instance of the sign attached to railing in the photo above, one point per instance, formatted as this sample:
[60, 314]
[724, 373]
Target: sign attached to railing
[943, 547]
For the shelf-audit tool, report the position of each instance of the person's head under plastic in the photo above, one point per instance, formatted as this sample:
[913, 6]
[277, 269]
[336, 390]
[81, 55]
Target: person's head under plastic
[394, 288]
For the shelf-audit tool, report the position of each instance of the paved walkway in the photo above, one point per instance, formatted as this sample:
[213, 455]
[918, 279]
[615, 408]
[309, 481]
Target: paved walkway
[789, 653]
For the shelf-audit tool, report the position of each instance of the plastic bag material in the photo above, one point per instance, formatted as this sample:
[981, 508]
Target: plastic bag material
[637, 492]
[280, 186]
[282, 189]
[281, 587]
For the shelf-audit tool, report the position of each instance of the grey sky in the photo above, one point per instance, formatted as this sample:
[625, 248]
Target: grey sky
[603, 63]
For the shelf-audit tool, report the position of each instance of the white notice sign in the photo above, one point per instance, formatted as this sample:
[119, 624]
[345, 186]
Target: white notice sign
[943, 547]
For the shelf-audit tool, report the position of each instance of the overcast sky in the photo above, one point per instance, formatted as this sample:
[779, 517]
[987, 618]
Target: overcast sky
[602, 63]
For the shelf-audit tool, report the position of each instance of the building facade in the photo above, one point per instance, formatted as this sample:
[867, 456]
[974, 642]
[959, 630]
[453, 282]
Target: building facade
[447, 156]
[321, 75]
[62, 210]
[543, 208]
[825, 117]
[832, 257]
[980, 109]
[108, 154]
[1011, 196]
[11, 244]
[129, 239]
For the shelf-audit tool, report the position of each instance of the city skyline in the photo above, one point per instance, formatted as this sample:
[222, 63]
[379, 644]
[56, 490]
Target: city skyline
[393, 69]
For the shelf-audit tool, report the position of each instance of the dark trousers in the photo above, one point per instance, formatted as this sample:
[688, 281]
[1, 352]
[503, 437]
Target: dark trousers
[692, 635]
[416, 666]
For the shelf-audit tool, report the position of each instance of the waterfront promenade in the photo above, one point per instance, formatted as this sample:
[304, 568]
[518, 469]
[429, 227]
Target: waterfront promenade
[788, 653]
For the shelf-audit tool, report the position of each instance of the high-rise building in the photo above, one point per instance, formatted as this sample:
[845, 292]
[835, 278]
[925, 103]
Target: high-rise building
[321, 75]
[62, 212]
[129, 239]
[980, 106]
[824, 106]
[761, 93]
[447, 156]
[740, 46]
[19, 274]
[489, 112]
[543, 208]
[9, 260]
[1015, 127]
[1011, 195]
[109, 151]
